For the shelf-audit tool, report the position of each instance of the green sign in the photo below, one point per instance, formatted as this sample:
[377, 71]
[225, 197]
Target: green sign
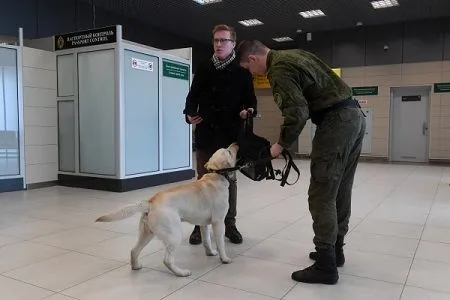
[175, 70]
[365, 91]
[443, 87]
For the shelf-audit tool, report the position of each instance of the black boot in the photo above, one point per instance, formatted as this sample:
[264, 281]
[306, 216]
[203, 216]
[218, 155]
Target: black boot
[324, 270]
[233, 234]
[196, 236]
[339, 247]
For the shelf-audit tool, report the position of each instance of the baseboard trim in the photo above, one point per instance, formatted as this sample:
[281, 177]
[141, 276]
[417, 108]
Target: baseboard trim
[11, 185]
[380, 159]
[124, 185]
[377, 159]
[41, 185]
[440, 162]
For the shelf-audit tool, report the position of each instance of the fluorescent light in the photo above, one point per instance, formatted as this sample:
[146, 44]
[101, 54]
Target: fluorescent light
[204, 2]
[312, 13]
[251, 22]
[282, 39]
[384, 3]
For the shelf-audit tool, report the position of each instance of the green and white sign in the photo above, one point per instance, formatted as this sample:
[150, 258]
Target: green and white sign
[365, 91]
[175, 70]
[443, 87]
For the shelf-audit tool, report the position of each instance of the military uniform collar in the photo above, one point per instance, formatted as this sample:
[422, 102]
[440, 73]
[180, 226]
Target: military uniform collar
[270, 57]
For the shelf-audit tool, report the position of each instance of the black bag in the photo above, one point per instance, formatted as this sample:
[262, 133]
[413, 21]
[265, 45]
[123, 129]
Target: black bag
[255, 160]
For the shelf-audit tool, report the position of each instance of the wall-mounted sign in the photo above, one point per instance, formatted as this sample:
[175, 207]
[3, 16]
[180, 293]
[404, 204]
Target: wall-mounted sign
[365, 91]
[85, 38]
[261, 82]
[174, 70]
[141, 64]
[411, 98]
[443, 87]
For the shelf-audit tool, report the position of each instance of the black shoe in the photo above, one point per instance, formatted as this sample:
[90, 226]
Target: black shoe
[324, 270]
[233, 234]
[340, 258]
[196, 236]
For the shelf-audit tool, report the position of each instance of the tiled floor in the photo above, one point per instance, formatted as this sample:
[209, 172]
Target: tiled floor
[398, 247]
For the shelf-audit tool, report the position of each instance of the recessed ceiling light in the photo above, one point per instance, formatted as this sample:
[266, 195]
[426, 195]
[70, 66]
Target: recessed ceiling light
[282, 39]
[384, 3]
[312, 13]
[204, 2]
[251, 22]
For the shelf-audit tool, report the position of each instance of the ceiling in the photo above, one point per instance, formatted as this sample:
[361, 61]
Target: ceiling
[280, 17]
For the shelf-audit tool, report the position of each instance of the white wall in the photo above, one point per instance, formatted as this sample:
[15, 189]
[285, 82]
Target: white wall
[42, 43]
[40, 115]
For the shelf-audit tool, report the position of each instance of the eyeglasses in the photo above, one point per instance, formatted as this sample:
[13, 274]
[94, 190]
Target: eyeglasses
[216, 41]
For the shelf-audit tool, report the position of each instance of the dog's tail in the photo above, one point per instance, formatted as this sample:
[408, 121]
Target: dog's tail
[125, 212]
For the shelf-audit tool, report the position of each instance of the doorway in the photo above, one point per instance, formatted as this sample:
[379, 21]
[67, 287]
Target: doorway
[409, 123]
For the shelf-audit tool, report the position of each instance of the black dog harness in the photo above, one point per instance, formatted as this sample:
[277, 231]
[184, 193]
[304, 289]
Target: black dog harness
[255, 160]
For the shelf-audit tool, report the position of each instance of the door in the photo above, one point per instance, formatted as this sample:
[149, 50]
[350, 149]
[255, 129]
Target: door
[409, 124]
[367, 141]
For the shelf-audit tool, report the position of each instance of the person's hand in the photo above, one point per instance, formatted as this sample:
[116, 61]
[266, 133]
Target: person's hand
[244, 113]
[195, 119]
[275, 150]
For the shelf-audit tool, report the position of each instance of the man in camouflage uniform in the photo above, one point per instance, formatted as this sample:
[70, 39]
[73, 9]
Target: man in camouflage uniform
[304, 87]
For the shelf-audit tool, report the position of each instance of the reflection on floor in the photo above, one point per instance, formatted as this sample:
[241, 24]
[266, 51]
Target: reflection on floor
[398, 246]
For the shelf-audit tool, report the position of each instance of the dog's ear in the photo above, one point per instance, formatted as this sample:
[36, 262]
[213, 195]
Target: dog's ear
[210, 165]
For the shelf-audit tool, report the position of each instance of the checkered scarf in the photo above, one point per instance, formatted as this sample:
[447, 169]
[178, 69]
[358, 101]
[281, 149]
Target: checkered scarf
[221, 64]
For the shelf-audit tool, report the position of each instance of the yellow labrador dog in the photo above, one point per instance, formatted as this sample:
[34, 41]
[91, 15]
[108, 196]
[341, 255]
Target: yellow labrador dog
[203, 202]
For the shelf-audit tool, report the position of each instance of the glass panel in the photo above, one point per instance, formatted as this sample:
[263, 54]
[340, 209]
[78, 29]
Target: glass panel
[96, 74]
[175, 137]
[65, 75]
[141, 113]
[9, 114]
[66, 136]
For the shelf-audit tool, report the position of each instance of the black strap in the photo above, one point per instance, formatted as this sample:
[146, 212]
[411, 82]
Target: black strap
[287, 169]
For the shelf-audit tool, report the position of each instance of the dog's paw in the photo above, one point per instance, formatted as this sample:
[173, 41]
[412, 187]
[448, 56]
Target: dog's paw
[184, 273]
[212, 253]
[225, 260]
[136, 267]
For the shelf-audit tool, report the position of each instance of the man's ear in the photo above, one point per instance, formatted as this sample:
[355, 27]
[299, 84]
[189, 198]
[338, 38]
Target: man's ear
[252, 58]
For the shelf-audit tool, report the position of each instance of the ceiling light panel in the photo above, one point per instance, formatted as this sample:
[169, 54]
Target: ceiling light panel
[384, 4]
[251, 22]
[205, 2]
[282, 39]
[312, 14]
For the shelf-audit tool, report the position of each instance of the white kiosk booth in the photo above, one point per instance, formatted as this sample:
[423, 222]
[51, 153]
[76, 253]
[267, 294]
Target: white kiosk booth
[120, 112]
[12, 158]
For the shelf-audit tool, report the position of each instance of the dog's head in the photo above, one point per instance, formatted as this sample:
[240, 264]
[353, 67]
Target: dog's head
[223, 158]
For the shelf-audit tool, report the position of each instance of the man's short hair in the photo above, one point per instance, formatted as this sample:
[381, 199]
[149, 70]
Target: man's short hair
[223, 27]
[249, 47]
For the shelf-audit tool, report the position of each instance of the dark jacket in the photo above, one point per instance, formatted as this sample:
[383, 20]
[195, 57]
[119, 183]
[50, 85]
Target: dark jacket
[218, 96]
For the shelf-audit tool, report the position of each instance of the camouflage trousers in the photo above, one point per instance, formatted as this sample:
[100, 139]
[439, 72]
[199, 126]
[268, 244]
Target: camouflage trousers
[335, 152]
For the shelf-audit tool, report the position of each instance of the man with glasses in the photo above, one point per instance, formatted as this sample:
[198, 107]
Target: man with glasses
[220, 97]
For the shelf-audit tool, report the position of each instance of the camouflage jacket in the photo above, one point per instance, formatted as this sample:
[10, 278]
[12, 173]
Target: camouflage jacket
[301, 83]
